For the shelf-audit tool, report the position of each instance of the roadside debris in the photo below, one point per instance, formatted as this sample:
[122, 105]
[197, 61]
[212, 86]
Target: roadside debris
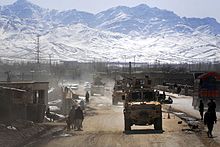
[11, 128]
[65, 135]
[192, 122]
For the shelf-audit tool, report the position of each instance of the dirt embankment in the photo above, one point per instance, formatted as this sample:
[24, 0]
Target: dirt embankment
[20, 133]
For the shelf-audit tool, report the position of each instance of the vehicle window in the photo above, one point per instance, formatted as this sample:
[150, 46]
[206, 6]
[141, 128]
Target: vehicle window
[136, 95]
[148, 96]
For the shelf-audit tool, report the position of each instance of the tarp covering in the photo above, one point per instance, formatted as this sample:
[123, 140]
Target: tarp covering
[210, 74]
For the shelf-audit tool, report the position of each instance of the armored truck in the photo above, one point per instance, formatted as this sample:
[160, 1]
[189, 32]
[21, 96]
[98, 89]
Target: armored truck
[118, 92]
[140, 106]
[97, 87]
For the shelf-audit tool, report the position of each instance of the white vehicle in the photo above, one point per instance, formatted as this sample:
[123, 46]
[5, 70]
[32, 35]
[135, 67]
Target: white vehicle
[74, 86]
[87, 86]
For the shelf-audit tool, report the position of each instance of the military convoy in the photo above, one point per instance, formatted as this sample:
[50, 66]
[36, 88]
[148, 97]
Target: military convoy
[118, 91]
[97, 87]
[140, 104]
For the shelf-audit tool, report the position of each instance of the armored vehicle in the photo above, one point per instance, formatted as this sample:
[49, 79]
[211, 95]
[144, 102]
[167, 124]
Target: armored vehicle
[97, 87]
[140, 106]
[118, 91]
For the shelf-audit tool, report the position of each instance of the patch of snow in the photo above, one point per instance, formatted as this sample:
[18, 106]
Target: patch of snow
[11, 128]
[54, 108]
[51, 90]
[55, 102]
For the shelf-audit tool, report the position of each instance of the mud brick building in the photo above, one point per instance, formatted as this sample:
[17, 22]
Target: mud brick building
[23, 100]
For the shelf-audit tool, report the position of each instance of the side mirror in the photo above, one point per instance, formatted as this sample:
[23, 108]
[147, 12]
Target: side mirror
[123, 97]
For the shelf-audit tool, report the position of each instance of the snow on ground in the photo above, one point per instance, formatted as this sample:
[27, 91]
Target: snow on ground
[55, 102]
[54, 108]
[81, 43]
[51, 90]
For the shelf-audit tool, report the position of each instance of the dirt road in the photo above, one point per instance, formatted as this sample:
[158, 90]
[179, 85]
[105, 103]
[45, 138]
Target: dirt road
[103, 127]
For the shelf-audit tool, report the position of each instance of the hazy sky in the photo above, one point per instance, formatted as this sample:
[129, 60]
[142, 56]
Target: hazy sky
[188, 8]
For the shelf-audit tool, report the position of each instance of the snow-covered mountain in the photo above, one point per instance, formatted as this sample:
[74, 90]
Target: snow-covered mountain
[117, 34]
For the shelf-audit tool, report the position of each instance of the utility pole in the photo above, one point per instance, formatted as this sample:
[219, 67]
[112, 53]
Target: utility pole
[50, 62]
[38, 49]
[134, 62]
[32, 74]
[22, 76]
[130, 69]
[8, 76]
[50, 59]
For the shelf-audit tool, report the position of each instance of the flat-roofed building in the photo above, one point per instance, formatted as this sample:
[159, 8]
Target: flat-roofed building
[23, 100]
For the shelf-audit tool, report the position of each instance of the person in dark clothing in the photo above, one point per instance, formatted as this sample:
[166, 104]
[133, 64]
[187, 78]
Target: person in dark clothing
[164, 95]
[209, 119]
[178, 90]
[87, 97]
[175, 85]
[79, 118]
[170, 100]
[48, 112]
[212, 105]
[49, 115]
[72, 117]
[186, 90]
[68, 123]
[201, 109]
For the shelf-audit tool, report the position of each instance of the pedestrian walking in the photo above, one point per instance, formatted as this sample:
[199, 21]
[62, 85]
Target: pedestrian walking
[50, 115]
[72, 117]
[82, 104]
[68, 123]
[79, 118]
[178, 90]
[201, 109]
[87, 97]
[209, 119]
[164, 95]
[186, 90]
[212, 105]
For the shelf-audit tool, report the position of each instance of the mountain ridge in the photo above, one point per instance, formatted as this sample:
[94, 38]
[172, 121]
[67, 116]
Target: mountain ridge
[116, 34]
[141, 18]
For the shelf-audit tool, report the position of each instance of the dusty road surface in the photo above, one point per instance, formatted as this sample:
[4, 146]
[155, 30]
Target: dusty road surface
[103, 127]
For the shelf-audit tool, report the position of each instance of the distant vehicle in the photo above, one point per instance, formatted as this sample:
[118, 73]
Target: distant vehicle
[74, 86]
[118, 92]
[97, 87]
[87, 86]
[140, 106]
[71, 85]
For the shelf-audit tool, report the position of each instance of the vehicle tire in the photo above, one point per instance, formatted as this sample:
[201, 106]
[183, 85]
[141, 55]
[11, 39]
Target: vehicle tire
[158, 124]
[127, 125]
